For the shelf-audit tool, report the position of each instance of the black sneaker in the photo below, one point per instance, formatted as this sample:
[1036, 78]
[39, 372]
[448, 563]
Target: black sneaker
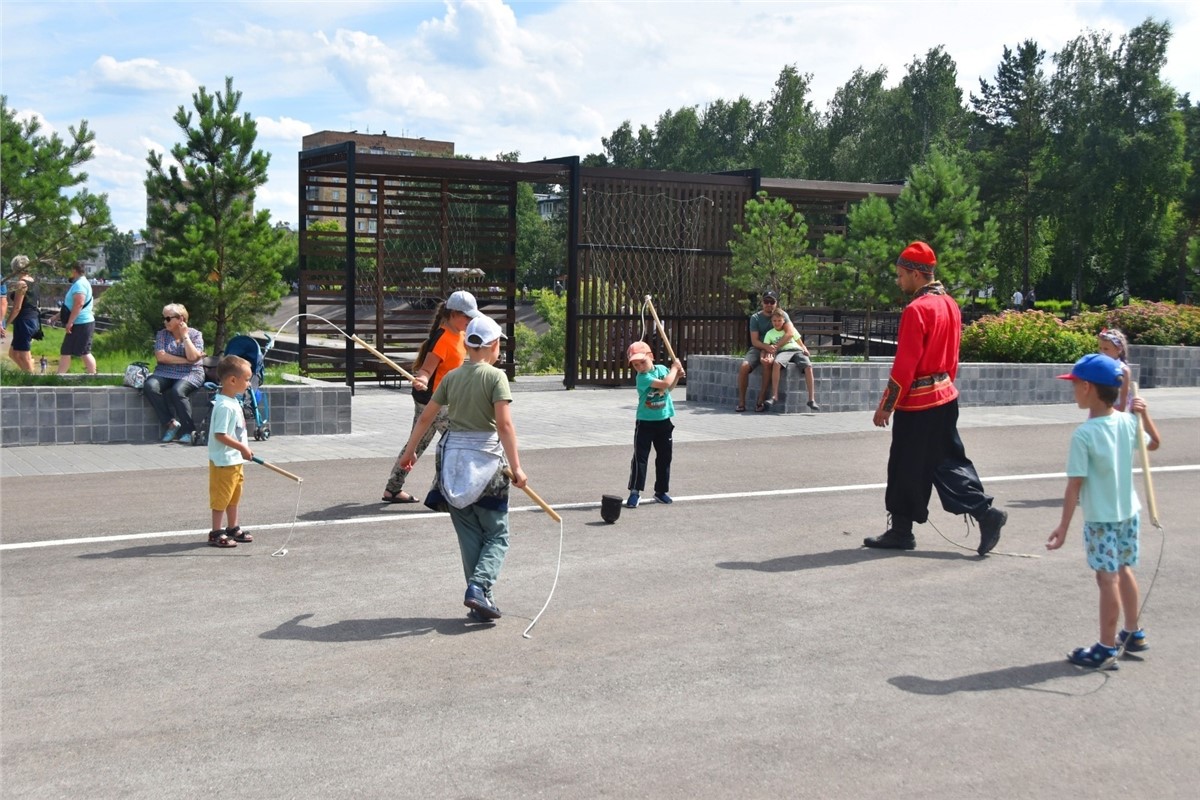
[476, 616]
[989, 529]
[891, 540]
[813, 405]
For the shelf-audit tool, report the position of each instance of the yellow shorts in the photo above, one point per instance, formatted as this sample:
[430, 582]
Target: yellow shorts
[224, 486]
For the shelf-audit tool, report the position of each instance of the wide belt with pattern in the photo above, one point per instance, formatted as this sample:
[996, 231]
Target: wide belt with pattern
[929, 380]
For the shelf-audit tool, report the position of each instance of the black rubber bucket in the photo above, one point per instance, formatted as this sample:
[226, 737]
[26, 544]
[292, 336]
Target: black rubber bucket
[610, 508]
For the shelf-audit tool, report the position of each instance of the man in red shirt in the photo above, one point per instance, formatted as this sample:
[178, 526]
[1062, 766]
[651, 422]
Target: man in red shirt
[926, 449]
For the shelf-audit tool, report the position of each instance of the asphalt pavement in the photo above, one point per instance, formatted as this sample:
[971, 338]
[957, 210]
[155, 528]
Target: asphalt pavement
[737, 643]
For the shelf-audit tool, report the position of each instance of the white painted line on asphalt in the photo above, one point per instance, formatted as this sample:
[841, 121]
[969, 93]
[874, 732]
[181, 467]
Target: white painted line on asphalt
[320, 523]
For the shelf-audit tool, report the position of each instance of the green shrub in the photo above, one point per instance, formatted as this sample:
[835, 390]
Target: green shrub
[1029, 337]
[1144, 323]
[544, 354]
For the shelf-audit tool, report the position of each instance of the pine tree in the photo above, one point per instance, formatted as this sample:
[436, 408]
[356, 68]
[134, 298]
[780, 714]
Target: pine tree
[211, 251]
[38, 217]
[940, 207]
[770, 251]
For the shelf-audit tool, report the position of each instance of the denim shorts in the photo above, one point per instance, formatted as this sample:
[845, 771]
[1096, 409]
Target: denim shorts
[1112, 545]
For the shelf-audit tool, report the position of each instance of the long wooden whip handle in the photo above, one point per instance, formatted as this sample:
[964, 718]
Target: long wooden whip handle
[382, 357]
[534, 497]
[661, 331]
[1151, 502]
[280, 470]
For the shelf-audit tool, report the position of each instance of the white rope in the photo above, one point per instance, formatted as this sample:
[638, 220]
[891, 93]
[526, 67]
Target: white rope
[282, 551]
[552, 587]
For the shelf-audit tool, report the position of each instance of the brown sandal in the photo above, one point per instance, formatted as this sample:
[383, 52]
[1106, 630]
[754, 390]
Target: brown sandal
[219, 539]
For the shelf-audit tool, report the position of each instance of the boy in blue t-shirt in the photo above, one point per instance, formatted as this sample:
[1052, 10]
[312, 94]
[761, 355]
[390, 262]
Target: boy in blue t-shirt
[1100, 479]
[653, 426]
[227, 451]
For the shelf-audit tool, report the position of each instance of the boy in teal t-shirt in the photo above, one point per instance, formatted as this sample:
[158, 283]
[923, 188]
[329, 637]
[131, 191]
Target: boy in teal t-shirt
[1100, 480]
[653, 426]
[227, 451]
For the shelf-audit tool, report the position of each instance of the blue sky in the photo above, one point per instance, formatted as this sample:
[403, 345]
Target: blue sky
[547, 79]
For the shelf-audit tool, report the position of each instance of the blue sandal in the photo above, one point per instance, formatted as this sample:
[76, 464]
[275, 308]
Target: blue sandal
[1097, 656]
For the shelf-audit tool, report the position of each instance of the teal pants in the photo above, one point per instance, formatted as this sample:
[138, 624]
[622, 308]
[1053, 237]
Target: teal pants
[483, 541]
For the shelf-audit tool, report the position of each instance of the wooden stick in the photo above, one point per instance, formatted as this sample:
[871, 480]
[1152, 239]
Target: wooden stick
[280, 470]
[661, 331]
[534, 497]
[1151, 503]
[383, 358]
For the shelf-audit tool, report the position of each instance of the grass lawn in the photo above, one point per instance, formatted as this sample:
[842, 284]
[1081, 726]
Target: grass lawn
[110, 365]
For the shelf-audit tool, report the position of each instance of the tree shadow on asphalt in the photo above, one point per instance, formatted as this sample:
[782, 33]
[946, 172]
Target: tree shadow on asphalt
[151, 550]
[367, 630]
[839, 558]
[1025, 677]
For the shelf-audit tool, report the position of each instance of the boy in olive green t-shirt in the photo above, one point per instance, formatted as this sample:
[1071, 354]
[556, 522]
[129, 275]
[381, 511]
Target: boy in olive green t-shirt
[474, 460]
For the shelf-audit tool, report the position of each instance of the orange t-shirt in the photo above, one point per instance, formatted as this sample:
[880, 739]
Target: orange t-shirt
[450, 346]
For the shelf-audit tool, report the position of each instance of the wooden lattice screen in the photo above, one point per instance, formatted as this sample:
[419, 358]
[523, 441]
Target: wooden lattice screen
[660, 234]
[422, 228]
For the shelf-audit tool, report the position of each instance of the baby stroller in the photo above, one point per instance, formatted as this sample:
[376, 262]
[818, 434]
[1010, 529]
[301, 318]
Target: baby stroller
[254, 400]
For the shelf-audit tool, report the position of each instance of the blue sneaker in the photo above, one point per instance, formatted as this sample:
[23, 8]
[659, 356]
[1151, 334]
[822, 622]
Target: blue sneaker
[1135, 642]
[1097, 656]
[632, 501]
[478, 600]
[172, 429]
[663, 498]
[185, 439]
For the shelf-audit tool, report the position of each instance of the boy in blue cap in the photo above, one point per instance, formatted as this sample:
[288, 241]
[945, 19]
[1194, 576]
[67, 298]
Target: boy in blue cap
[1100, 478]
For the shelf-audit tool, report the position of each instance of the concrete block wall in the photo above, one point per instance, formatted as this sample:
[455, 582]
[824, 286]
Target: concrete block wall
[1166, 366]
[31, 415]
[857, 386]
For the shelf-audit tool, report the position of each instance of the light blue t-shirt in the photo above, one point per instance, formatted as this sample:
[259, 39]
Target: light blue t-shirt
[654, 404]
[227, 417]
[1102, 454]
[88, 312]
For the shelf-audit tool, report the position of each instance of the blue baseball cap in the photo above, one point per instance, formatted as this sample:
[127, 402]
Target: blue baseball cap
[1096, 368]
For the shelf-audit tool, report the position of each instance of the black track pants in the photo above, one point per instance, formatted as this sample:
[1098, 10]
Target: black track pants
[659, 435]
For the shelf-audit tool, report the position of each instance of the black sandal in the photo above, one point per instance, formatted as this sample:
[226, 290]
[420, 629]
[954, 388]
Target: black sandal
[238, 535]
[219, 539]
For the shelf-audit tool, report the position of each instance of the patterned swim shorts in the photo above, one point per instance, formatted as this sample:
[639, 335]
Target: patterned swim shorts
[1112, 545]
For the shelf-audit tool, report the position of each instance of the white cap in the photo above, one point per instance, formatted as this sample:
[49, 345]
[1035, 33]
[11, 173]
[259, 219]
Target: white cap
[464, 302]
[482, 331]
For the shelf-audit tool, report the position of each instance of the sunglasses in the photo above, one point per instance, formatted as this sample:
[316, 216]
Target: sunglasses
[768, 302]
[168, 319]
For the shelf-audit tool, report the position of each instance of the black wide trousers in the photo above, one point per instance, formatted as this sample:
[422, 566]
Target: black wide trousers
[927, 452]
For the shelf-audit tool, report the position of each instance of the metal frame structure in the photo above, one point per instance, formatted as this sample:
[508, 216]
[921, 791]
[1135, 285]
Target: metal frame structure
[411, 229]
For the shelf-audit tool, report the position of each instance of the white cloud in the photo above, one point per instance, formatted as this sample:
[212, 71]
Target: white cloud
[285, 129]
[139, 75]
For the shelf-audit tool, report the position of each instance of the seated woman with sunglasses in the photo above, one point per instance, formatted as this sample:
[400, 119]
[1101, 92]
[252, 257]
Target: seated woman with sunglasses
[179, 351]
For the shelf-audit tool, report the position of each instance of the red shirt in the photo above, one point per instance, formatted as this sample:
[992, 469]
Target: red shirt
[926, 353]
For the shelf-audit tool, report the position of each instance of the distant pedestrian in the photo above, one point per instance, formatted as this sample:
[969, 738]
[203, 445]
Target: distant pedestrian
[926, 450]
[1018, 300]
[78, 317]
[474, 459]
[1030, 299]
[227, 451]
[1100, 481]
[652, 425]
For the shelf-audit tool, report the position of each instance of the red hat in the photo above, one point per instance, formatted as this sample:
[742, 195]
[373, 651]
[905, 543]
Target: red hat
[637, 351]
[918, 256]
